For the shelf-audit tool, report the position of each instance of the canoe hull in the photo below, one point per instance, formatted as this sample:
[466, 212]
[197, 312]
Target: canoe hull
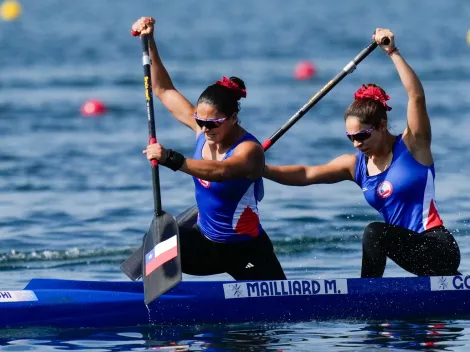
[68, 303]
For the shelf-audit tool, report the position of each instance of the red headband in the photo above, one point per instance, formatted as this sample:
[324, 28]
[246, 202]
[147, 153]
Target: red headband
[226, 82]
[372, 92]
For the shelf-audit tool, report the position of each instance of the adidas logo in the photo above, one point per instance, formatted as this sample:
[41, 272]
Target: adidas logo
[249, 265]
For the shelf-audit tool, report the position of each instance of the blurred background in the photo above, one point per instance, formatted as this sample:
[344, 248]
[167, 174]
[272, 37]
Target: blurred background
[75, 189]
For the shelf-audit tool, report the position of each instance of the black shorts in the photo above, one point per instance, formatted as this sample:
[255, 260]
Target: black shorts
[249, 260]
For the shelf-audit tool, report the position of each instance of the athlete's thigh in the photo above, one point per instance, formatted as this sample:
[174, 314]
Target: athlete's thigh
[198, 256]
[255, 260]
[266, 267]
[437, 254]
[399, 244]
[423, 253]
[396, 239]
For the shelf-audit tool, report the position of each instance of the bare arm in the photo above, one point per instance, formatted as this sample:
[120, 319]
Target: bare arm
[418, 123]
[417, 134]
[246, 161]
[164, 89]
[337, 170]
[162, 85]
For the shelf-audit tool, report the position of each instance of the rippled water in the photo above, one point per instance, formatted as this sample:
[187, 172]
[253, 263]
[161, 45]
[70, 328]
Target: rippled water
[75, 193]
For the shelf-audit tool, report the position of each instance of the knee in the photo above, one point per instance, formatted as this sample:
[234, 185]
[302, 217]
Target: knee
[373, 232]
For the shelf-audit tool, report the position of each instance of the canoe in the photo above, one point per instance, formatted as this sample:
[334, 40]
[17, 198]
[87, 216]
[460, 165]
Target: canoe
[73, 303]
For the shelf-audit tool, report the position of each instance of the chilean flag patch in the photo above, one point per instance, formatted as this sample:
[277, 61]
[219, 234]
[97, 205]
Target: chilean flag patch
[160, 254]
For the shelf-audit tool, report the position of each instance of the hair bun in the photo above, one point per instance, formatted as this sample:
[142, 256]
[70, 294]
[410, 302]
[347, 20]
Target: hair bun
[235, 84]
[372, 91]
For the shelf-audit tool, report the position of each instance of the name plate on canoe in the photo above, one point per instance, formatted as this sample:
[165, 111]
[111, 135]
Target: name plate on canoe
[17, 296]
[450, 283]
[285, 288]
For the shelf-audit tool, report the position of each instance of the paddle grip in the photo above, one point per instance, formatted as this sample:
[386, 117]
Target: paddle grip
[385, 41]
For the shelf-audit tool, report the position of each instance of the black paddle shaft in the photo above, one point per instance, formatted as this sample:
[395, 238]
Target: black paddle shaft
[350, 67]
[151, 123]
[161, 259]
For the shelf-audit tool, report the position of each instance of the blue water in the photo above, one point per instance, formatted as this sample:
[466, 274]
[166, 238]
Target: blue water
[75, 193]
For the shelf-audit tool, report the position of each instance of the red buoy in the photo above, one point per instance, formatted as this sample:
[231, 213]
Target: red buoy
[304, 70]
[93, 107]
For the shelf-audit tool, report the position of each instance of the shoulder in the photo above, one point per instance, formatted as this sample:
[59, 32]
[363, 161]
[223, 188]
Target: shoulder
[347, 160]
[343, 164]
[348, 163]
[249, 147]
[419, 150]
[248, 143]
[414, 143]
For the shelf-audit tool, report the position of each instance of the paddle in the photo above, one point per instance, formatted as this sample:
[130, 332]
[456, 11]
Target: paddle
[132, 266]
[160, 256]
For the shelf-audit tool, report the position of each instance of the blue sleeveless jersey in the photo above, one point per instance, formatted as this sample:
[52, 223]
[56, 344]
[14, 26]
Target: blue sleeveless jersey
[228, 210]
[404, 193]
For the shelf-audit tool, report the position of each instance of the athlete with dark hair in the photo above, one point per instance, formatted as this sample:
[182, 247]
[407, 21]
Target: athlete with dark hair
[227, 169]
[396, 174]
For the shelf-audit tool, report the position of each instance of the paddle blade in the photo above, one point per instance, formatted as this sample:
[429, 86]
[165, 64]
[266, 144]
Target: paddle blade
[132, 267]
[161, 257]
[188, 218]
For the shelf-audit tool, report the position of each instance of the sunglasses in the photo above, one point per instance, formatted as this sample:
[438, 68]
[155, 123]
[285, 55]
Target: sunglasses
[360, 136]
[209, 124]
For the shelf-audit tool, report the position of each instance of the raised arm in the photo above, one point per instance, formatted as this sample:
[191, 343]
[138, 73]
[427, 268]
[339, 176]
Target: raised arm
[418, 130]
[162, 85]
[337, 170]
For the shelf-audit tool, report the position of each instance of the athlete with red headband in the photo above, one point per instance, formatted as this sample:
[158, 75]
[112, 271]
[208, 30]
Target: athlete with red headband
[396, 175]
[227, 169]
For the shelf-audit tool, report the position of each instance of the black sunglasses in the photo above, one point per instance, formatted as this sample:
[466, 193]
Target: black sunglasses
[209, 124]
[360, 136]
